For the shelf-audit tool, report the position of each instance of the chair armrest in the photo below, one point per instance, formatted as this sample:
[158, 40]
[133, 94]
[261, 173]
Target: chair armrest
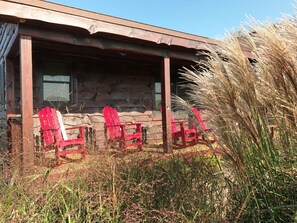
[82, 130]
[42, 130]
[76, 127]
[180, 123]
[138, 126]
[130, 124]
[113, 125]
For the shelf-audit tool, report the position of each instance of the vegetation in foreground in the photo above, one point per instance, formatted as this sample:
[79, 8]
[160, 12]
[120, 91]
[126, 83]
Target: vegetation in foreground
[251, 107]
[170, 190]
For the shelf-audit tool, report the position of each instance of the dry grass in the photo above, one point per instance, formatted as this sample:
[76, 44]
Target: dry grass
[73, 164]
[251, 106]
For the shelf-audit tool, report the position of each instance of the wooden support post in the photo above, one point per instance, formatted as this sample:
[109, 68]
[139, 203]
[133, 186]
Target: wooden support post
[27, 103]
[166, 106]
[10, 98]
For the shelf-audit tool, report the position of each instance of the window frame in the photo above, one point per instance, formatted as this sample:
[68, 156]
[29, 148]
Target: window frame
[68, 73]
[174, 88]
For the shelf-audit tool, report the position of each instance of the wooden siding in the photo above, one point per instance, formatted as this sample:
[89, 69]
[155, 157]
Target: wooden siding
[124, 85]
[98, 23]
[127, 87]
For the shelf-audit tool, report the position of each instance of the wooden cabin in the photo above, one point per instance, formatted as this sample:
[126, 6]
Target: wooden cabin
[79, 61]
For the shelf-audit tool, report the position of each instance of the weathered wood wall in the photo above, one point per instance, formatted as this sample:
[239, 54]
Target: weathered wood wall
[8, 33]
[126, 86]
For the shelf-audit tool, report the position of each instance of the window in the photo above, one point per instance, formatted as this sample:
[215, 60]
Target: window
[56, 83]
[175, 89]
[158, 96]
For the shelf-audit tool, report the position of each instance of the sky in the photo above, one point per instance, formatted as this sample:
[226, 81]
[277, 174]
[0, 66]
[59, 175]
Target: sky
[209, 18]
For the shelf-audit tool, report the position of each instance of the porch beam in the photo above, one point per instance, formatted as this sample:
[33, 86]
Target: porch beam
[104, 44]
[10, 95]
[166, 106]
[26, 102]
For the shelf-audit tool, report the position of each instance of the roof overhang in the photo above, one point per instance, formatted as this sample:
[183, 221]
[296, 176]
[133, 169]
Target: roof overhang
[95, 23]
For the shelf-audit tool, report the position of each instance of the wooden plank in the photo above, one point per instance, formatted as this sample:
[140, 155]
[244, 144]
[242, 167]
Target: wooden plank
[27, 103]
[99, 23]
[10, 96]
[104, 44]
[166, 106]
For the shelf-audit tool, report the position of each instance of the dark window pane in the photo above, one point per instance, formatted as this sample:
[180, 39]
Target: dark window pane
[55, 68]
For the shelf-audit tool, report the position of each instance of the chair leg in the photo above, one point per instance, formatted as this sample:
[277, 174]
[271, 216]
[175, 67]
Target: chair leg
[84, 153]
[122, 145]
[139, 147]
[58, 160]
[184, 142]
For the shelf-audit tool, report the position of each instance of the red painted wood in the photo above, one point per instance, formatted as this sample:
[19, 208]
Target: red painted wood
[117, 132]
[188, 136]
[199, 118]
[204, 128]
[52, 136]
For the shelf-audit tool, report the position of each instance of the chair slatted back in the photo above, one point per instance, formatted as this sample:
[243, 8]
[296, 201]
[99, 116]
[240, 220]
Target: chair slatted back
[61, 124]
[112, 122]
[199, 118]
[174, 126]
[50, 127]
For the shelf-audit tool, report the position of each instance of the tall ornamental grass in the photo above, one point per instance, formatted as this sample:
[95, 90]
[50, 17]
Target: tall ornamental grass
[251, 105]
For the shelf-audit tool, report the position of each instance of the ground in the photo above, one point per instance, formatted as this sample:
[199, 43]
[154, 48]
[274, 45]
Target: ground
[73, 164]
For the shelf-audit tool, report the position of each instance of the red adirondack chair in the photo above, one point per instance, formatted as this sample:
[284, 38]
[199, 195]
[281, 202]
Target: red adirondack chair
[53, 135]
[115, 131]
[188, 136]
[204, 130]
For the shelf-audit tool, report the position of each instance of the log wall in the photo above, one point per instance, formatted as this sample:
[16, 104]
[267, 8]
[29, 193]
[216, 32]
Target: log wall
[128, 87]
[123, 86]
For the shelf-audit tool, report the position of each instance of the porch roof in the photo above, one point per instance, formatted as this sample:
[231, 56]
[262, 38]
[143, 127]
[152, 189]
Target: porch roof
[26, 11]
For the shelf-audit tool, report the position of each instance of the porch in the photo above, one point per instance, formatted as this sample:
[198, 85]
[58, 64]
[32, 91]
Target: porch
[86, 63]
